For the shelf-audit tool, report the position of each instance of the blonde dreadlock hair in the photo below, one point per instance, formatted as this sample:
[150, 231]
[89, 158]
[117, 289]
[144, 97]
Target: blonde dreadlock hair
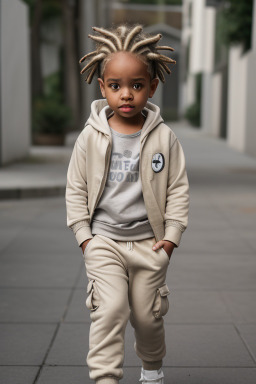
[126, 39]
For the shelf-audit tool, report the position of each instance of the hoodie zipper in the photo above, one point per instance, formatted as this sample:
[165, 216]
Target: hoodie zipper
[104, 179]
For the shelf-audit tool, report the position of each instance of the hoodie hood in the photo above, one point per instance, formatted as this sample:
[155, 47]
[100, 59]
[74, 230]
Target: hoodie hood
[100, 111]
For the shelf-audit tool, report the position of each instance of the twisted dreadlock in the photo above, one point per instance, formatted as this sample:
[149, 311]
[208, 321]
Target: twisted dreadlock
[126, 39]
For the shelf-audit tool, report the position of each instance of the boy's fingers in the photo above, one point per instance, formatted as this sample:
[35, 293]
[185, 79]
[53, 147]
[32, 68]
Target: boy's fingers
[158, 245]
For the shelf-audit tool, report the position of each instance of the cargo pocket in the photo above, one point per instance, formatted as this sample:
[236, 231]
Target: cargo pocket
[161, 303]
[92, 301]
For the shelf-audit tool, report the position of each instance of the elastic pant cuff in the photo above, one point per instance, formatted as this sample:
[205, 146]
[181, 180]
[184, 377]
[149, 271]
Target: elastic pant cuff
[152, 365]
[107, 380]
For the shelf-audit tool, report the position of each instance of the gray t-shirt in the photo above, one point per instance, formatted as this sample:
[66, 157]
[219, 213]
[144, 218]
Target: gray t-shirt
[121, 212]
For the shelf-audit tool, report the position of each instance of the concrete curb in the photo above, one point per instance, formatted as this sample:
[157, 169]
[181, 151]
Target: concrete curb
[31, 192]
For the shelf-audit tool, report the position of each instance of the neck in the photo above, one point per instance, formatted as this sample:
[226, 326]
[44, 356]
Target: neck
[128, 126]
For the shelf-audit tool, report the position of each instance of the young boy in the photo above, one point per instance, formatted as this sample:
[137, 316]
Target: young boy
[127, 203]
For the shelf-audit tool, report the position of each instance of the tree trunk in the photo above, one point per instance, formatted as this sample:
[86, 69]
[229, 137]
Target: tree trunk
[37, 80]
[71, 61]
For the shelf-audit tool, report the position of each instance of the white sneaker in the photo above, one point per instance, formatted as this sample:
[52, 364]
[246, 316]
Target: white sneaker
[152, 377]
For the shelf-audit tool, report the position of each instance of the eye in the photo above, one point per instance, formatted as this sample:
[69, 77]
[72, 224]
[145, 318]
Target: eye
[114, 86]
[137, 86]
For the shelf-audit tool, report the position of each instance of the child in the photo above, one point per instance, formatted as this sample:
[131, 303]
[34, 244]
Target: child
[127, 202]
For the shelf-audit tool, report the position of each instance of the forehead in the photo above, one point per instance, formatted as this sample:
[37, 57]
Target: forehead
[126, 64]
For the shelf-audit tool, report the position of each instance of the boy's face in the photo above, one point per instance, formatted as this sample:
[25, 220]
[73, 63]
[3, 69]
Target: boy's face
[127, 86]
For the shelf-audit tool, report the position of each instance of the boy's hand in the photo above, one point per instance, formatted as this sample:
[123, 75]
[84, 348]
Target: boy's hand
[168, 246]
[84, 244]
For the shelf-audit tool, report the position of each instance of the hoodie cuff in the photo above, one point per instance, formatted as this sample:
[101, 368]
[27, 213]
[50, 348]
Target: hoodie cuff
[173, 234]
[83, 233]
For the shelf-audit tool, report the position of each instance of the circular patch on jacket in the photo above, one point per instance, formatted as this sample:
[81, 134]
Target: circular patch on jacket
[158, 162]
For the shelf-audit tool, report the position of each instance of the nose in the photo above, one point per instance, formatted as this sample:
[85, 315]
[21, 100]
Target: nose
[126, 94]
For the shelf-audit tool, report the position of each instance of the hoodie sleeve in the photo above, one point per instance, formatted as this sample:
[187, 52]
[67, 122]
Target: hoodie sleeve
[78, 218]
[177, 199]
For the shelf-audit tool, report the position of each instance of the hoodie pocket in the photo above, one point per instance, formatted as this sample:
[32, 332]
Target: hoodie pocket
[161, 303]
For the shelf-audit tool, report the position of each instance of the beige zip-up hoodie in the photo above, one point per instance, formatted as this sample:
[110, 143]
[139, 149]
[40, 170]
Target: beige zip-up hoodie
[162, 170]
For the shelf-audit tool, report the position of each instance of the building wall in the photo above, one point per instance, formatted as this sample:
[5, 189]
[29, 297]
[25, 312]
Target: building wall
[227, 107]
[15, 81]
[241, 97]
[250, 140]
[237, 98]
[197, 37]
[210, 111]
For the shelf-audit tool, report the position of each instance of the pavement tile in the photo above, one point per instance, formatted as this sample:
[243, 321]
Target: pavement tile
[64, 375]
[211, 345]
[8, 235]
[197, 307]
[83, 280]
[210, 271]
[46, 240]
[198, 375]
[79, 375]
[24, 344]
[248, 333]
[18, 375]
[39, 270]
[77, 311]
[219, 240]
[32, 305]
[249, 237]
[70, 346]
[240, 305]
[20, 212]
[205, 345]
[200, 224]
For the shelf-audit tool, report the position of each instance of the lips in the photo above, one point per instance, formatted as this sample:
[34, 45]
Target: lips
[126, 107]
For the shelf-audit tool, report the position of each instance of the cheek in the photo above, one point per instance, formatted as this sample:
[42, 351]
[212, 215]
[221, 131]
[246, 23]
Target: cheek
[112, 99]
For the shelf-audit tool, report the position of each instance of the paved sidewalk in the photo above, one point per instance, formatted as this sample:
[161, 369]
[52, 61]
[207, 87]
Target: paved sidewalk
[42, 173]
[211, 324]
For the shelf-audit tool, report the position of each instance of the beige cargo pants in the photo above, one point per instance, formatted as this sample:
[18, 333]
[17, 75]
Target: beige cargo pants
[126, 279]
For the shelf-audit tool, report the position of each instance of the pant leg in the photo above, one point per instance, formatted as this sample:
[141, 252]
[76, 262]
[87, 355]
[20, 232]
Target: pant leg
[148, 302]
[108, 302]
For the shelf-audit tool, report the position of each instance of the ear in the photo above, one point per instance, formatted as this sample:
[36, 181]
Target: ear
[102, 87]
[153, 86]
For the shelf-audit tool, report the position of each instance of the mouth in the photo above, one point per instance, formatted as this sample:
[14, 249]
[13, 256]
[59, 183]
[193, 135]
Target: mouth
[126, 108]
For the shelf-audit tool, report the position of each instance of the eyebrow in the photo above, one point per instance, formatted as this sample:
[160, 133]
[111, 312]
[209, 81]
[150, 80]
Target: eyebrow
[110, 80]
[118, 80]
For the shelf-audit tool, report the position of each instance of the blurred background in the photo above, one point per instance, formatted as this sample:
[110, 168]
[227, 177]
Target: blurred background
[44, 98]
[209, 101]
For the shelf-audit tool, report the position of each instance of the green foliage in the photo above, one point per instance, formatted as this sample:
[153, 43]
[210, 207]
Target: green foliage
[50, 9]
[50, 116]
[53, 86]
[193, 112]
[156, 2]
[221, 46]
[237, 22]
